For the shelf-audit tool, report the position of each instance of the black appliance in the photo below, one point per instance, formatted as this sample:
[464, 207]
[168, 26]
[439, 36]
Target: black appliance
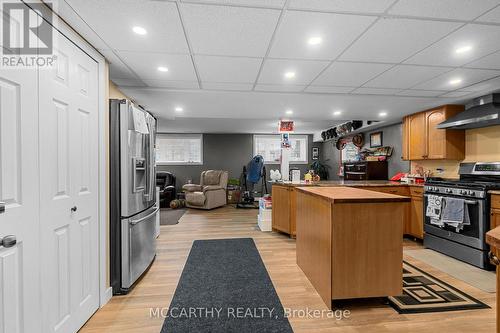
[468, 245]
[366, 170]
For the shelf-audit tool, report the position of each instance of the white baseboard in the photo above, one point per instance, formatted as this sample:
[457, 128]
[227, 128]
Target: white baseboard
[107, 296]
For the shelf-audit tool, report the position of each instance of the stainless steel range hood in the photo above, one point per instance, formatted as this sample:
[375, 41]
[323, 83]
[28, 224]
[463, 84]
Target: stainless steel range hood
[480, 112]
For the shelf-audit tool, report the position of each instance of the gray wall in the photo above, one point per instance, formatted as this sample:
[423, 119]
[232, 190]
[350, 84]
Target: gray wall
[225, 152]
[392, 136]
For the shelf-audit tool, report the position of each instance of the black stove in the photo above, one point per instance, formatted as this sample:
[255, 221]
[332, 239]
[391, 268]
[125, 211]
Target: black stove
[468, 242]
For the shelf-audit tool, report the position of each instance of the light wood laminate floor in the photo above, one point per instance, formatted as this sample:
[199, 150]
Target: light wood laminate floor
[131, 313]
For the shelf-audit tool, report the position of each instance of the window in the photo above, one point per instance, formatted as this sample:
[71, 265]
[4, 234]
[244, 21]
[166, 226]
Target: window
[269, 146]
[179, 149]
[349, 152]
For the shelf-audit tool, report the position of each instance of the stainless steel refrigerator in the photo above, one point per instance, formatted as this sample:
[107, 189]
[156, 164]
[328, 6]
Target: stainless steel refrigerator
[133, 208]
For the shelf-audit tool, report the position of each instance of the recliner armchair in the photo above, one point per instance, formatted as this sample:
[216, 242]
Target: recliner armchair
[166, 182]
[210, 193]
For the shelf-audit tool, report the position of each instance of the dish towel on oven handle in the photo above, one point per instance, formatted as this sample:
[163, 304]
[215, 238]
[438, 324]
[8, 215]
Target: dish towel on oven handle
[455, 213]
[434, 209]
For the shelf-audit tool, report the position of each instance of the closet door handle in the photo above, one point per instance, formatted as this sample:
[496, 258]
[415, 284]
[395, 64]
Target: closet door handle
[8, 241]
[2, 207]
[74, 209]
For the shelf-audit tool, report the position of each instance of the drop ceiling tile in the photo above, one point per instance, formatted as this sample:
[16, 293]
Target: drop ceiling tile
[349, 74]
[468, 77]
[117, 69]
[75, 21]
[227, 69]
[337, 32]
[403, 76]
[447, 9]
[329, 89]
[394, 40]
[491, 61]
[483, 40]
[493, 16]
[361, 6]
[113, 21]
[172, 84]
[421, 93]
[455, 94]
[279, 88]
[305, 71]
[227, 86]
[128, 83]
[485, 87]
[180, 66]
[250, 3]
[375, 91]
[226, 30]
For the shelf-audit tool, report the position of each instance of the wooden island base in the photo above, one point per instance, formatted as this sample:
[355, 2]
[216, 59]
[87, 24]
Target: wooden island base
[349, 242]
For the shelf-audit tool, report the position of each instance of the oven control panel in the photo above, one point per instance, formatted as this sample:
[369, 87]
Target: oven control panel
[461, 192]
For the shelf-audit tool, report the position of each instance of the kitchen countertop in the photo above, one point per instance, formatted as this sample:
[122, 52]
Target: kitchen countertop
[351, 195]
[351, 183]
[493, 237]
[497, 192]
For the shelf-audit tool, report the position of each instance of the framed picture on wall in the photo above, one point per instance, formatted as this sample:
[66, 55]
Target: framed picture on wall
[376, 140]
[315, 153]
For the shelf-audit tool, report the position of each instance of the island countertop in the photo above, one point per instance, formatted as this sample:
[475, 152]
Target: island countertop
[493, 237]
[349, 241]
[348, 183]
[352, 195]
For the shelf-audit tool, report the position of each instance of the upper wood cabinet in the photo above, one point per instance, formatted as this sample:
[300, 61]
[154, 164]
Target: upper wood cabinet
[422, 140]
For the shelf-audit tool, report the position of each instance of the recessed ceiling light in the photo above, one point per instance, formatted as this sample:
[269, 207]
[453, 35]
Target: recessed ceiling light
[337, 113]
[163, 69]
[289, 75]
[382, 114]
[179, 109]
[315, 40]
[139, 30]
[463, 49]
[289, 112]
[455, 81]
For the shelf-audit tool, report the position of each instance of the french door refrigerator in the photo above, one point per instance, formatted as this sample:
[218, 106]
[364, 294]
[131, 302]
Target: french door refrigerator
[133, 208]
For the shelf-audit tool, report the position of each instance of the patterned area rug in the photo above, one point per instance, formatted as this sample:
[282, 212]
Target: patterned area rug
[423, 292]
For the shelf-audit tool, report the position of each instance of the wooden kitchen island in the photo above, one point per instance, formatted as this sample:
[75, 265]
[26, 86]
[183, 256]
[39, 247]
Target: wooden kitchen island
[349, 242]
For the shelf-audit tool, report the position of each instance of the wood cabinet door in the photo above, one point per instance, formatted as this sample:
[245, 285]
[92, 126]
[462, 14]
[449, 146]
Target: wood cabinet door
[293, 212]
[416, 225]
[405, 154]
[495, 222]
[281, 208]
[417, 136]
[436, 138]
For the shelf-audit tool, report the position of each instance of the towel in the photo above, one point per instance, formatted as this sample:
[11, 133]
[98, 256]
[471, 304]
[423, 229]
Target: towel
[455, 213]
[434, 205]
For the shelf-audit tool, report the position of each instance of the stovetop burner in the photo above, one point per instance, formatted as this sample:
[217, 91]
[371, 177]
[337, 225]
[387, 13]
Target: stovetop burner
[464, 183]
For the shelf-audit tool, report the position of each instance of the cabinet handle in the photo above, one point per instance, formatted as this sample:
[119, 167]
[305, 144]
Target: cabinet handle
[493, 259]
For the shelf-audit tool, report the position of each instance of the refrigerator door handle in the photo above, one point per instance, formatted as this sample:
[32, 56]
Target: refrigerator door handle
[151, 164]
[134, 222]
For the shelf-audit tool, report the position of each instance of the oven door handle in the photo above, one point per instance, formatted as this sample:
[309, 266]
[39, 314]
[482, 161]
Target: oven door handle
[471, 202]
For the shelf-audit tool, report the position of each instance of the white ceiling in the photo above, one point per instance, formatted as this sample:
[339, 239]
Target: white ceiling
[227, 58]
